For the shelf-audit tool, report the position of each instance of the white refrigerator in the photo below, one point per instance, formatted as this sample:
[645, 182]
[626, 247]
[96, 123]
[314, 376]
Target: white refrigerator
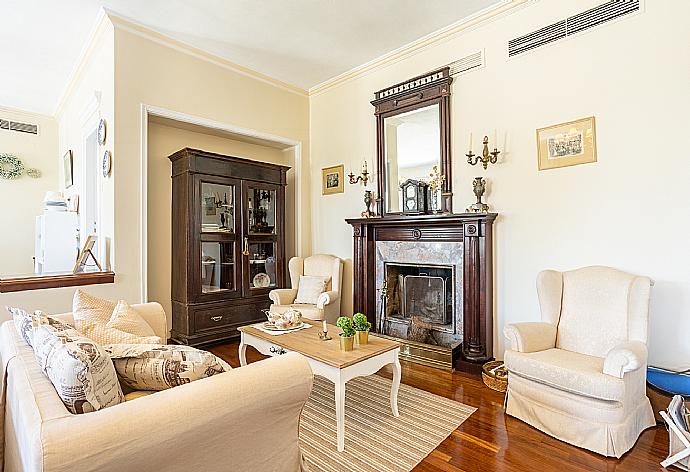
[57, 245]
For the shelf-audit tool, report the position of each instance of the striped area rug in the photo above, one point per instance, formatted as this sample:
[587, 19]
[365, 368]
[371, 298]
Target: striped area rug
[375, 440]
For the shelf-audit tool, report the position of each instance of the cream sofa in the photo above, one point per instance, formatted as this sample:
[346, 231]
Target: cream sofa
[328, 304]
[243, 420]
[579, 375]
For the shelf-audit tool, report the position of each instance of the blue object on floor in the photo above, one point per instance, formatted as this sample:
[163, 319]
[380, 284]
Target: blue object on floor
[674, 383]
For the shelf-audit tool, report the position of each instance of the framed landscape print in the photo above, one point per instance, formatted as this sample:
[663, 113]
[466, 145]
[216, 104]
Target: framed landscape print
[567, 144]
[333, 180]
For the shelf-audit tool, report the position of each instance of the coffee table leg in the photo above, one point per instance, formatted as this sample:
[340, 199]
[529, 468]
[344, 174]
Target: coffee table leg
[340, 412]
[395, 386]
[242, 351]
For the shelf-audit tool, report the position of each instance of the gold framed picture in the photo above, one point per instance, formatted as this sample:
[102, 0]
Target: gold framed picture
[332, 180]
[567, 144]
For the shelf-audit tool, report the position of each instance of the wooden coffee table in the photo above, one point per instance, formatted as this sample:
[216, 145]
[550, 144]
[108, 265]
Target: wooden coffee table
[327, 360]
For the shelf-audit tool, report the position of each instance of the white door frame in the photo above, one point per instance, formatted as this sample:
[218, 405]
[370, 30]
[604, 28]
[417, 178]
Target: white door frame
[151, 110]
[90, 119]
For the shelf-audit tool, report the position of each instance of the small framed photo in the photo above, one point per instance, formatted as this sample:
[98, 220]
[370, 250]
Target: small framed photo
[333, 180]
[567, 144]
[68, 167]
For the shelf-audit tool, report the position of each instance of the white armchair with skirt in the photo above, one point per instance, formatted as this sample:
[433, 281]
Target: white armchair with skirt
[579, 374]
[319, 297]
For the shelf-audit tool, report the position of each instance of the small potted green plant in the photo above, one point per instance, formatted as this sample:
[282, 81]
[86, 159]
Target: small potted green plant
[362, 327]
[347, 337]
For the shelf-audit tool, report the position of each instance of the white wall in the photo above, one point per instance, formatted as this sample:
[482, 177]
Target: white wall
[164, 140]
[21, 200]
[628, 210]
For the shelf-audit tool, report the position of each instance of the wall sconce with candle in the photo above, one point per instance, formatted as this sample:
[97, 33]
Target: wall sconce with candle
[363, 177]
[487, 157]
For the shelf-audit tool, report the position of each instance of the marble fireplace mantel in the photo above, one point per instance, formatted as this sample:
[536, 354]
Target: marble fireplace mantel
[474, 231]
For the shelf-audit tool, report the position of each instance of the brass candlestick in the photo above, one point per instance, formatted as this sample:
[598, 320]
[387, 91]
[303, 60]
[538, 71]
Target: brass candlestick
[324, 336]
[486, 157]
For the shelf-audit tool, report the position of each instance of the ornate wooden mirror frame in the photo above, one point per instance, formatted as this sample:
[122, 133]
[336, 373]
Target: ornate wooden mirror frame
[419, 92]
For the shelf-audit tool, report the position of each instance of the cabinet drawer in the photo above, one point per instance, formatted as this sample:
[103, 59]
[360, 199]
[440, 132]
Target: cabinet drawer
[212, 318]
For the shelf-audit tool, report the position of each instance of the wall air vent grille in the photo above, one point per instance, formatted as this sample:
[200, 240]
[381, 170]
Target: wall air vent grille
[18, 127]
[467, 63]
[574, 24]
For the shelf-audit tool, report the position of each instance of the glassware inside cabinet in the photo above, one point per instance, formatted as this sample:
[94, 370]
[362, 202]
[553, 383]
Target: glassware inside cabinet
[217, 208]
[262, 211]
[262, 265]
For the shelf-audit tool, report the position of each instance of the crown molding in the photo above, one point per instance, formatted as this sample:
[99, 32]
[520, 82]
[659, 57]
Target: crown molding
[480, 18]
[126, 24]
[99, 27]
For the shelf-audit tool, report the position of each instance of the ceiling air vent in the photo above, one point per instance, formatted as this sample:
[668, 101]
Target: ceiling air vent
[467, 63]
[574, 24]
[18, 126]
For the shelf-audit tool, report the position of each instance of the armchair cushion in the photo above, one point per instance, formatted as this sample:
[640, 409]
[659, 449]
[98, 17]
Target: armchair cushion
[310, 287]
[283, 296]
[626, 357]
[565, 370]
[530, 337]
[310, 312]
[326, 298]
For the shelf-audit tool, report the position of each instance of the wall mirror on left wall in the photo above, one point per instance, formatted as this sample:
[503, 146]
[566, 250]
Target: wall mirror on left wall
[50, 205]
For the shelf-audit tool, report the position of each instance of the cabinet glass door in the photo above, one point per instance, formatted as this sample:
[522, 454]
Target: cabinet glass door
[261, 203]
[262, 264]
[217, 208]
[217, 267]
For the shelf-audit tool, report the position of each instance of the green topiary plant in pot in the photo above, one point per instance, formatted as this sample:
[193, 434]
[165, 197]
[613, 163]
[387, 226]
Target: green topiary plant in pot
[362, 327]
[347, 337]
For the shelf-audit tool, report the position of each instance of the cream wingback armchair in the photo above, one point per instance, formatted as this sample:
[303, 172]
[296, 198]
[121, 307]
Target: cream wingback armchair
[579, 374]
[327, 306]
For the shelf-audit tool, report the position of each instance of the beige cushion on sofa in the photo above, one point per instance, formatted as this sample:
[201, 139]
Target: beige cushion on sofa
[86, 307]
[566, 370]
[126, 318]
[103, 334]
[159, 367]
[80, 370]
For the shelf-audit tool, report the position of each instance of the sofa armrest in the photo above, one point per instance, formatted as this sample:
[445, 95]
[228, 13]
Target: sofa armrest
[244, 419]
[530, 337]
[326, 298]
[625, 357]
[283, 296]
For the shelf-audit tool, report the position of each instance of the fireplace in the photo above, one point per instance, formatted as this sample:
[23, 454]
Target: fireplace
[426, 281]
[423, 291]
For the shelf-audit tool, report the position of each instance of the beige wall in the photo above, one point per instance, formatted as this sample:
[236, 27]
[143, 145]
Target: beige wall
[21, 200]
[164, 140]
[628, 210]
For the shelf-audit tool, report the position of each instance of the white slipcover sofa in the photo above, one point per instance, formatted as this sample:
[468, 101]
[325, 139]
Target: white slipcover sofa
[579, 374]
[243, 420]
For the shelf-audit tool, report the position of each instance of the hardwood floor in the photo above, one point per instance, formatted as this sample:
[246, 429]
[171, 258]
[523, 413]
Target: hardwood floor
[491, 441]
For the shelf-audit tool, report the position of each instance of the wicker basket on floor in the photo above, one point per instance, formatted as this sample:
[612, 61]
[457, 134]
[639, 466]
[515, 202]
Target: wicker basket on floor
[495, 379]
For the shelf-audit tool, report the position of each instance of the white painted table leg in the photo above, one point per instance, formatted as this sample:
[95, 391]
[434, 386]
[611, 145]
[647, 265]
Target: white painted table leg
[395, 386]
[340, 412]
[242, 351]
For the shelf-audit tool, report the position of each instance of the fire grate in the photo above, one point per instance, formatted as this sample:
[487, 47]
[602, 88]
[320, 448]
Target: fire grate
[425, 296]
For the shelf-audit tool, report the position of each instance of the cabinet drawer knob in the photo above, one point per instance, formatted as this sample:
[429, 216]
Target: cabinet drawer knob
[216, 318]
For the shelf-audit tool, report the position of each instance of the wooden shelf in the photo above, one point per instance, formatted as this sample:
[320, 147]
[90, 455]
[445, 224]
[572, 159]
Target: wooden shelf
[38, 282]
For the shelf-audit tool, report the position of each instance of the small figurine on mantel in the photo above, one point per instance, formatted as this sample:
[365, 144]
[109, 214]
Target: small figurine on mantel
[368, 199]
[479, 187]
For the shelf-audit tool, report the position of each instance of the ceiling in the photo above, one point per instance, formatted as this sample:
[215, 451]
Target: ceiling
[300, 42]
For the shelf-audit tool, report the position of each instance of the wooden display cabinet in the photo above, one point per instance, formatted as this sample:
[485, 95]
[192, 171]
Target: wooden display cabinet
[228, 243]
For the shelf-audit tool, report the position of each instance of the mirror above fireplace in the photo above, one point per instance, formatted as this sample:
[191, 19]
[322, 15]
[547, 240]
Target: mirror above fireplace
[413, 135]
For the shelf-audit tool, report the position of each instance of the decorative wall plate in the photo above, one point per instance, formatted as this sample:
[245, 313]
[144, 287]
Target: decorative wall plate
[107, 163]
[102, 129]
[261, 280]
